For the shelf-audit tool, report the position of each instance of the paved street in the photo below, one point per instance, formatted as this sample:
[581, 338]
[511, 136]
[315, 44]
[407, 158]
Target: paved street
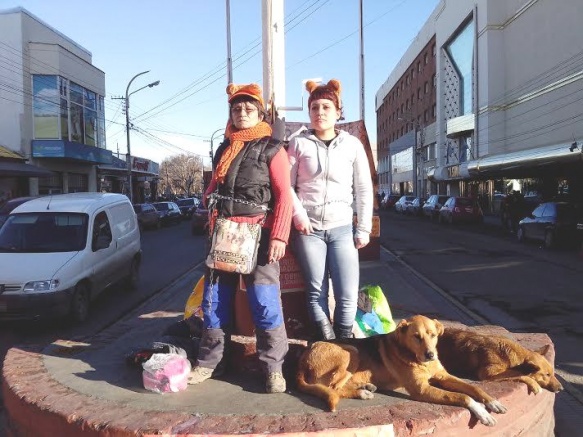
[489, 276]
[499, 281]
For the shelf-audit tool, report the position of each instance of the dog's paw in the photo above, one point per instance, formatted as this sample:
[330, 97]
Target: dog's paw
[479, 410]
[496, 407]
[370, 387]
[534, 388]
[365, 394]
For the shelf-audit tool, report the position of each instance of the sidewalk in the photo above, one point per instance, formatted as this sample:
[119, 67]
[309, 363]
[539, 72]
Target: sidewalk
[85, 388]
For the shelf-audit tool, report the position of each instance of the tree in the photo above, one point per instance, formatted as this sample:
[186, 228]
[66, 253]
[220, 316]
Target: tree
[181, 175]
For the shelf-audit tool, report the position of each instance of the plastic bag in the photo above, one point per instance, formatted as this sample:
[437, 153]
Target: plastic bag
[194, 302]
[166, 373]
[373, 315]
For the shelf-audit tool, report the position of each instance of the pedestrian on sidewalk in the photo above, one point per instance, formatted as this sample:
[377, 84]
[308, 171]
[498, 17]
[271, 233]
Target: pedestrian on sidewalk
[251, 173]
[329, 174]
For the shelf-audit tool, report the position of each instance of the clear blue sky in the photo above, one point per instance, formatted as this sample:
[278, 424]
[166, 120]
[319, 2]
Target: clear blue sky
[183, 44]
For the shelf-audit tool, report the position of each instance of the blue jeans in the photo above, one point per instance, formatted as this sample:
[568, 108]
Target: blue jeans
[324, 254]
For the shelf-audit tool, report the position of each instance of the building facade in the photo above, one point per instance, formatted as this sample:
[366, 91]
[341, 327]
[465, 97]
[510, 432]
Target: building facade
[52, 114]
[508, 109]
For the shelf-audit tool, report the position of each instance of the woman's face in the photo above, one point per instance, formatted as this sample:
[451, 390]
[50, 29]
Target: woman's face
[245, 115]
[323, 115]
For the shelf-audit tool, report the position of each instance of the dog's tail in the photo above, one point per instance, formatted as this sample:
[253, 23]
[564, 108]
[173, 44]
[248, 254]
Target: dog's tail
[318, 390]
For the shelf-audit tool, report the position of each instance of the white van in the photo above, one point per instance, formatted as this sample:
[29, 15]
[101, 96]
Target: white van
[57, 253]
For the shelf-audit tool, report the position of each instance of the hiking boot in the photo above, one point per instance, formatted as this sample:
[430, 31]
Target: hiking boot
[199, 374]
[275, 383]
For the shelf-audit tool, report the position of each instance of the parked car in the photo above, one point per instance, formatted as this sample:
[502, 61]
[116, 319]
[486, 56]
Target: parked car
[433, 204]
[187, 206]
[461, 209]
[58, 253]
[415, 207]
[389, 201]
[515, 207]
[169, 212]
[148, 217]
[552, 223]
[9, 205]
[200, 220]
[401, 204]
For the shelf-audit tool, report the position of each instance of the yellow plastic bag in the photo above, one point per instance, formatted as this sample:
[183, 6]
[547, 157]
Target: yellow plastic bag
[194, 302]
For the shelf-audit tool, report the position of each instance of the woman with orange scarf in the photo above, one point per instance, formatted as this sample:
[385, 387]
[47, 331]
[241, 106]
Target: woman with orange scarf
[251, 171]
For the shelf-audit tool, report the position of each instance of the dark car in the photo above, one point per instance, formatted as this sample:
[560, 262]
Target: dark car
[148, 217]
[515, 207]
[552, 223]
[461, 210]
[389, 201]
[415, 207]
[187, 206]
[199, 221]
[432, 206]
[168, 212]
[9, 205]
[401, 204]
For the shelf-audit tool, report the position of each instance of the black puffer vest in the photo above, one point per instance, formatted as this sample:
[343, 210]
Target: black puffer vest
[247, 178]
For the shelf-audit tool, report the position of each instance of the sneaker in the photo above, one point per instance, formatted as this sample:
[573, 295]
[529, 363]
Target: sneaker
[199, 374]
[275, 383]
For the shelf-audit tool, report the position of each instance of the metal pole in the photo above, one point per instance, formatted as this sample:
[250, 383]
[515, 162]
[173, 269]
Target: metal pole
[229, 59]
[361, 63]
[212, 153]
[129, 153]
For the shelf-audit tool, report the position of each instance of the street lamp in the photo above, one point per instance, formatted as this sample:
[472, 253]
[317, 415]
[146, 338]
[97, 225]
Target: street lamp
[212, 152]
[129, 153]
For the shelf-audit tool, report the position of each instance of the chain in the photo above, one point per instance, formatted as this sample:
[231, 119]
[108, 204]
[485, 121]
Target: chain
[210, 291]
[321, 205]
[215, 196]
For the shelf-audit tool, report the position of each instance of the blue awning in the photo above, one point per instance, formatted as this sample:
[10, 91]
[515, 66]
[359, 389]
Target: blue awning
[20, 169]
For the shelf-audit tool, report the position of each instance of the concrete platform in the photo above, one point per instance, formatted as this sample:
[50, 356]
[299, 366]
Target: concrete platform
[85, 388]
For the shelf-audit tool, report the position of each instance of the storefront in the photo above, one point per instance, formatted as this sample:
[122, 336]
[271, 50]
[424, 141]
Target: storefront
[113, 178]
[15, 174]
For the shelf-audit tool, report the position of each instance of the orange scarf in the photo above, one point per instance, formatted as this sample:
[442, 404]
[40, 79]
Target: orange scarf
[238, 138]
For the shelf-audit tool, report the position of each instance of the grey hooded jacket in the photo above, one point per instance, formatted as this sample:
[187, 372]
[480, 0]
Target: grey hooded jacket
[328, 181]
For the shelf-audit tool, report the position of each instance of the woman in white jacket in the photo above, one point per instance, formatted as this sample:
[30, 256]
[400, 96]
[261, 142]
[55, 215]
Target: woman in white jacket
[329, 174]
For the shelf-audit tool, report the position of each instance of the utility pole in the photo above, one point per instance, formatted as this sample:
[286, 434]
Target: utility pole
[229, 58]
[361, 62]
[273, 42]
[128, 127]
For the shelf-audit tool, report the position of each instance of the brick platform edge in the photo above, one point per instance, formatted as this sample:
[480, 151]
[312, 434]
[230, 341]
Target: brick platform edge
[37, 405]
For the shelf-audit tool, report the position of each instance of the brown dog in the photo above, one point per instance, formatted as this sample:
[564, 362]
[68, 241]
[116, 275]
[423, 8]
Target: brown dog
[495, 358]
[405, 358]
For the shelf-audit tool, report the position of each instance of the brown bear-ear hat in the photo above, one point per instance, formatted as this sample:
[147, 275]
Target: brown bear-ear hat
[330, 91]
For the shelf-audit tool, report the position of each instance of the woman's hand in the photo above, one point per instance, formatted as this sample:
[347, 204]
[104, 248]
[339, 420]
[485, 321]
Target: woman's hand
[303, 226]
[276, 251]
[360, 242]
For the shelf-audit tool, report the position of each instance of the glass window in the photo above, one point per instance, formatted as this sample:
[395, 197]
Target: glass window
[64, 120]
[76, 93]
[538, 211]
[44, 232]
[46, 107]
[101, 231]
[90, 99]
[461, 51]
[90, 127]
[101, 123]
[77, 123]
